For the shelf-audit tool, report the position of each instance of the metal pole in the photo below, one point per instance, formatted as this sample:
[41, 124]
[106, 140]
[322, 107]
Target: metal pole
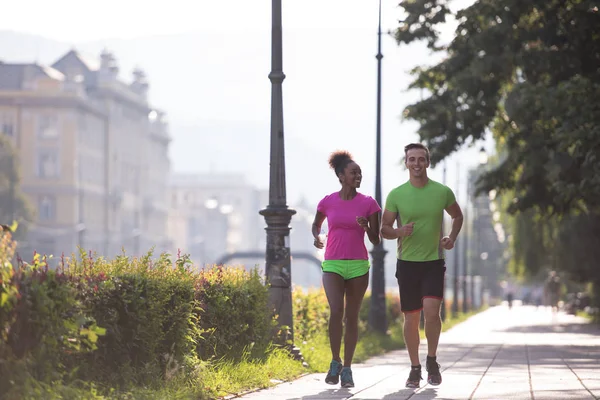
[456, 259]
[443, 310]
[377, 315]
[277, 214]
[465, 305]
[474, 257]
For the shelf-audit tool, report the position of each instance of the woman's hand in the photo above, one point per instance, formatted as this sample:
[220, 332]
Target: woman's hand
[318, 243]
[363, 222]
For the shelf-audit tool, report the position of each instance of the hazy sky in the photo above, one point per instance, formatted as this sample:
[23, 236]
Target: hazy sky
[318, 98]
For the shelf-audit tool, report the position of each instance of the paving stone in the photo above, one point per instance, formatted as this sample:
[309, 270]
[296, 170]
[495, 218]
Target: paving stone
[499, 354]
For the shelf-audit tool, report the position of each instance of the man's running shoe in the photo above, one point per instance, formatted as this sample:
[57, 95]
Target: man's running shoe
[347, 381]
[434, 377]
[414, 378]
[333, 376]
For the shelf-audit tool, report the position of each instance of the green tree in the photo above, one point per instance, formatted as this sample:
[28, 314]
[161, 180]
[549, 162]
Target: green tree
[528, 71]
[13, 204]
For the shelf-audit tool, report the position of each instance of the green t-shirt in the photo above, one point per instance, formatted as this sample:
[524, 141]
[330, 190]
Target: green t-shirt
[425, 207]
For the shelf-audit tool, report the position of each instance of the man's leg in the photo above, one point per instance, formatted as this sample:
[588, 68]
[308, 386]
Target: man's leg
[433, 323]
[411, 335]
[409, 283]
[433, 293]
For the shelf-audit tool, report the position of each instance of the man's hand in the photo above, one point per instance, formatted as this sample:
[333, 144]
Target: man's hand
[447, 243]
[363, 222]
[318, 243]
[406, 230]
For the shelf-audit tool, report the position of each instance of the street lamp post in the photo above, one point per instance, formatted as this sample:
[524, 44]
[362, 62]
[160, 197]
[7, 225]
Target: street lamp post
[483, 159]
[377, 315]
[456, 261]
[277, 214]
[443, 310]
[467, 252]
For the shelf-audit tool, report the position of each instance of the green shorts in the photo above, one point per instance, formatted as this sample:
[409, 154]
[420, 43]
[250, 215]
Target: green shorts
[347, 269]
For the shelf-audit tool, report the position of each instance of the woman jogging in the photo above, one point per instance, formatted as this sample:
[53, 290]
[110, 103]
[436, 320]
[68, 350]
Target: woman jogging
[350, 215]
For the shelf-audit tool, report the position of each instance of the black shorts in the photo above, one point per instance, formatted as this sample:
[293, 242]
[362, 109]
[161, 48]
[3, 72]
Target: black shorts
[418, 280]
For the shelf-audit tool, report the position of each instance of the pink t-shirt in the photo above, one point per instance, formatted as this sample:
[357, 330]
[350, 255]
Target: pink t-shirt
[346, 238]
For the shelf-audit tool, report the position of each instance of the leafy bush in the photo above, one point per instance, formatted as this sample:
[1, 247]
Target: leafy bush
[148, 310]
[311, 313]
[233, 314]
[41, 321]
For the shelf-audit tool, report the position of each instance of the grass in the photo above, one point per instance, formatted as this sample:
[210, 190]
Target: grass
[594, 319]
[225, 378]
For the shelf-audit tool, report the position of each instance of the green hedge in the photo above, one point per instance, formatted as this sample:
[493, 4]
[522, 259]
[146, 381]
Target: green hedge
[234, 317]
[123, 322]
[42, 322]
[134, 322]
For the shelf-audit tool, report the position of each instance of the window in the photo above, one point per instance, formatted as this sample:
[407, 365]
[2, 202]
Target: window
[48, 164]
[7, 128]
[7, 125]
[47, 127]
[47, 208]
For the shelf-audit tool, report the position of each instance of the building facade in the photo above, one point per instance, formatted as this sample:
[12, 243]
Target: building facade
[212, 215]
[94, 155]
[216, 215]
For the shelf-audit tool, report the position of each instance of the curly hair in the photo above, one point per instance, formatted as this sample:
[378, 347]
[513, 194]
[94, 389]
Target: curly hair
[339, 160]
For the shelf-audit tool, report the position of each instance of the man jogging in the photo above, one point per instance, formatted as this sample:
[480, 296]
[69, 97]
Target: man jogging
[418, 207]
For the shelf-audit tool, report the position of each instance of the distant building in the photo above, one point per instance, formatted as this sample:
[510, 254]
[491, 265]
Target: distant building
[216, 214]
[94, 155]
[212, 215]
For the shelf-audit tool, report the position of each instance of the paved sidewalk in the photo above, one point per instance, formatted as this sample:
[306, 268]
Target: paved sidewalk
[523, 353]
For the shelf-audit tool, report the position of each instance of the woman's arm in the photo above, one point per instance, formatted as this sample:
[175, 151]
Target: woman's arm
[316, 229]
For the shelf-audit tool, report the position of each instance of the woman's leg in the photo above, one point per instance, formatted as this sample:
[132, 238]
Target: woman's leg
[355, 291]
[334, 290]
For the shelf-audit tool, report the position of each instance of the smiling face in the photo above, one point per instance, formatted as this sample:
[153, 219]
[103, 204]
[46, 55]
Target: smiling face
[352, 175]
[417, 163]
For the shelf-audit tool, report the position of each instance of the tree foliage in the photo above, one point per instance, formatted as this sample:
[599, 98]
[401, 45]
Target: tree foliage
[13, 204]
[528, 71]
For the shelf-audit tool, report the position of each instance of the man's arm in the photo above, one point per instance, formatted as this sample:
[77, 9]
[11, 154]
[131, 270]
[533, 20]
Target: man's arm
[457, 220]
[387, 226]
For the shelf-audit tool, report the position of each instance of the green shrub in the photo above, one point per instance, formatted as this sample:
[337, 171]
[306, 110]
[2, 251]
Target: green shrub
[149, 312]
[311, 313]
[233, 316]
[41, 320]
